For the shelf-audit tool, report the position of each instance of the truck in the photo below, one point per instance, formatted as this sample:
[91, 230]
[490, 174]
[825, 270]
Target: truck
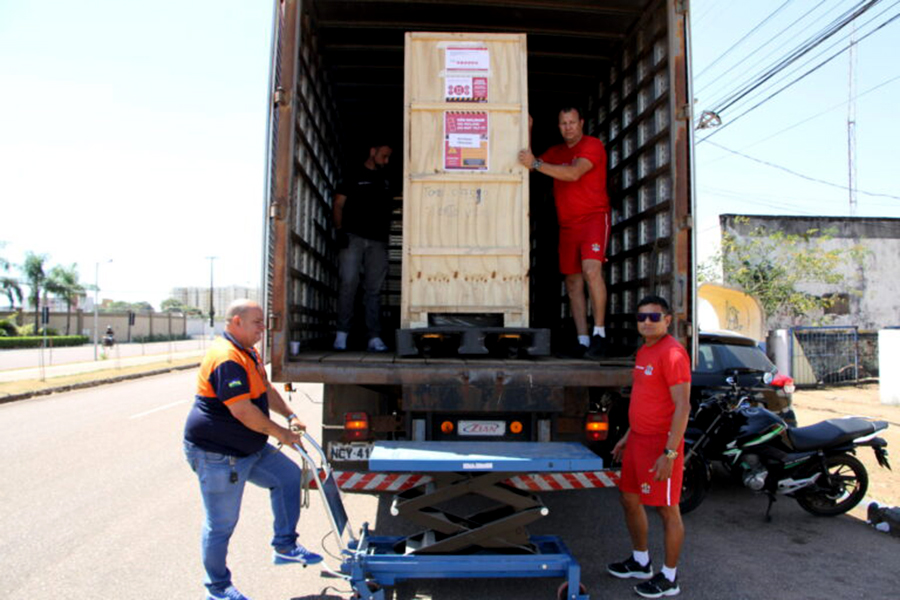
[337, 71]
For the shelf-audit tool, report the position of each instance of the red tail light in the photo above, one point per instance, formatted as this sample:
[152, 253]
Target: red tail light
[596, 427]
[356, 426]
[784, 382]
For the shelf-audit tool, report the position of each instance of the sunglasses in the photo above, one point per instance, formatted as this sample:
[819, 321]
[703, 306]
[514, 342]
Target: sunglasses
[654, 317]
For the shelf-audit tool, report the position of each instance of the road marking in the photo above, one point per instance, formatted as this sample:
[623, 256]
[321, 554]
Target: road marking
[157, 409]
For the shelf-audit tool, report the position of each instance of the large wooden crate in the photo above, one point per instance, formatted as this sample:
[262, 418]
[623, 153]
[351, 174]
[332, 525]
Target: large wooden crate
[465, 215]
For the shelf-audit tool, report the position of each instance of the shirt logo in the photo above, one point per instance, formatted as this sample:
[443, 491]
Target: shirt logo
[648, 370]
[235, 383]
[595, 247]
[645, 488]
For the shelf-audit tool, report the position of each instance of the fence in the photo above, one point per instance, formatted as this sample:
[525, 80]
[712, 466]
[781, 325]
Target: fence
[824, 355]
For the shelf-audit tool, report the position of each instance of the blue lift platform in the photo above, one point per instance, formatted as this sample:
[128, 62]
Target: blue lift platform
[492, 543]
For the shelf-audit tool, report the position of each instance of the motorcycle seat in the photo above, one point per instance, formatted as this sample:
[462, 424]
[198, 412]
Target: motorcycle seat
[832, 432]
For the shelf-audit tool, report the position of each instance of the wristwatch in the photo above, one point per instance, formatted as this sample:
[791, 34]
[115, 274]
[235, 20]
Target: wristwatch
[673, 454]
[537, 164]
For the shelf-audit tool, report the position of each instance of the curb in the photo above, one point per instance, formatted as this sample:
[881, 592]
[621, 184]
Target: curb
[94, 383]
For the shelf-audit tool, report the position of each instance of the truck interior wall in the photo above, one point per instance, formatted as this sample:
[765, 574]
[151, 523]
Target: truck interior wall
[349, 90]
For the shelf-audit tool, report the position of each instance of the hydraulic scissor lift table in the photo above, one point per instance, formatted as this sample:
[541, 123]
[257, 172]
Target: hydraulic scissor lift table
[490, 543]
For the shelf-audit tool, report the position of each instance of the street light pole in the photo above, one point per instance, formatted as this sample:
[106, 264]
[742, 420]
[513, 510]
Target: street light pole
[212, 310]
[96, 290]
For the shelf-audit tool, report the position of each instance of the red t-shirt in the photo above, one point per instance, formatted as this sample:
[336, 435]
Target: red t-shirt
[656, 369]
[578, 201]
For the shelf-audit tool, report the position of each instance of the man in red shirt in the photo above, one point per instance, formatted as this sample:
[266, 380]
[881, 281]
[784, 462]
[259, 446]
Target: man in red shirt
[652, 449]
[578, 169]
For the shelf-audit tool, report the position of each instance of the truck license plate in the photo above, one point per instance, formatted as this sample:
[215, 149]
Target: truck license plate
[338, 451]
[488, 428]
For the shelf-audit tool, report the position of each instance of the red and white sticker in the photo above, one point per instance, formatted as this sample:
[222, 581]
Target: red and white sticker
[532, 482]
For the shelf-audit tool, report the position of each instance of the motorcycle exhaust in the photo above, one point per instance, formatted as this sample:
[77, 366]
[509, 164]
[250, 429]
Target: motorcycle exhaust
[791, 485]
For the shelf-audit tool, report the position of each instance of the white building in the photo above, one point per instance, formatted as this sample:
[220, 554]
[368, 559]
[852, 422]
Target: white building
[222, 297]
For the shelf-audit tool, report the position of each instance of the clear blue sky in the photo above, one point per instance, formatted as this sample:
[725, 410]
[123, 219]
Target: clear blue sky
[136, 131]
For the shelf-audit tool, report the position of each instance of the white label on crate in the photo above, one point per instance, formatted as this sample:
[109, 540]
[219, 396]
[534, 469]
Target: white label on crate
[485, 465]
[467, 59]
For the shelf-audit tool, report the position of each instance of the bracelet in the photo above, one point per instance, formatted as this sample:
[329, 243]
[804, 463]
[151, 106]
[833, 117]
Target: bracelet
[291, 416]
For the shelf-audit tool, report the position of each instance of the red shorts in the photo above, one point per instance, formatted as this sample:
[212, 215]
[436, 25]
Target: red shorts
[641, 452]
[586, 241]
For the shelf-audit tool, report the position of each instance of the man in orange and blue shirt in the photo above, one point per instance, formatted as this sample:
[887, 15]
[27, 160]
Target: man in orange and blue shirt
[225, 441]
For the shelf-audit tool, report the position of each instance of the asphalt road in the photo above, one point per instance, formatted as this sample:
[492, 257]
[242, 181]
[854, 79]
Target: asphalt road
[99, 503]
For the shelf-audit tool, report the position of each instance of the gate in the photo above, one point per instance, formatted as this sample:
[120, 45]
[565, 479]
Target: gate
[824, 355]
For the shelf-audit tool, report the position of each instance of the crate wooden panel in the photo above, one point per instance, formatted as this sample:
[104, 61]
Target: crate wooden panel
[465, 233]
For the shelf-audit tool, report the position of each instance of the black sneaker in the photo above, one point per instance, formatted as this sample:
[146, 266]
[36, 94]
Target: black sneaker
[575, 350]
[630, 568]
[598, 348]
[658, 587]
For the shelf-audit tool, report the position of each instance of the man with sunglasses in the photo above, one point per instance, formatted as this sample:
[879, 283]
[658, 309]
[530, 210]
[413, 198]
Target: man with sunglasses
[652, 449]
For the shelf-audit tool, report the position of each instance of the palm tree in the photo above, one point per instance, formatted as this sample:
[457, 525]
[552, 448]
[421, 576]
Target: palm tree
[9, 283]
[34, 273]
[63, 283]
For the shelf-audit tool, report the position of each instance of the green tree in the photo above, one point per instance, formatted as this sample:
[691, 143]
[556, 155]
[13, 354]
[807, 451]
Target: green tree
[9, 283]
[63, 283]
[772, 265]
[174, 305]
[37, 278]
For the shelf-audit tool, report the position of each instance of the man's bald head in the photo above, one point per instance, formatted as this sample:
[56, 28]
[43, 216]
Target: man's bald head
[245, 322]
[239, 308]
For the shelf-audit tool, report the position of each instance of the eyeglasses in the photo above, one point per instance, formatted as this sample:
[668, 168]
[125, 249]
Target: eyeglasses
[654, 317]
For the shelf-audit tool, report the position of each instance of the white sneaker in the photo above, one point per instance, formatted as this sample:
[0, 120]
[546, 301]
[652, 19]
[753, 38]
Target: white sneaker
[340, 340]
[376, 345]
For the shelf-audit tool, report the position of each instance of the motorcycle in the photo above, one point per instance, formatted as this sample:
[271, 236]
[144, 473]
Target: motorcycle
[816, 465]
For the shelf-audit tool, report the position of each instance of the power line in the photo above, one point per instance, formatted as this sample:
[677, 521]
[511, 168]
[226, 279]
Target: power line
[815, 116]
[768, 43]
[800, 78]
[801, 175]
[745, 36]
[799, 67]
[794, 56]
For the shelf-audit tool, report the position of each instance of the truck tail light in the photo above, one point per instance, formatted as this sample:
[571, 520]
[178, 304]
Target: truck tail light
[784, 382]
[596, 427]
[447, 427]
[356, 426]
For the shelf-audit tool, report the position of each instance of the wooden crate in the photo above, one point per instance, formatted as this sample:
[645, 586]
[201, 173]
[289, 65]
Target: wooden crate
[465, 230]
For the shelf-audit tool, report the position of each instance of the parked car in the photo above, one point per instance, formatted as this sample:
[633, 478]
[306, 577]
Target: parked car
[719, 351]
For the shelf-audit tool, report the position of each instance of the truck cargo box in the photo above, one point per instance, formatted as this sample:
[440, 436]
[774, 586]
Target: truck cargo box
[338, 76]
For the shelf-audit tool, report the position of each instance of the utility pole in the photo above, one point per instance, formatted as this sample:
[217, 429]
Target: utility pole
[851, 124]
[212, 310]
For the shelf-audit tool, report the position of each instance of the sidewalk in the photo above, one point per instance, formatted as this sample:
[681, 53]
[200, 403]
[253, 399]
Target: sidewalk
[25, 382]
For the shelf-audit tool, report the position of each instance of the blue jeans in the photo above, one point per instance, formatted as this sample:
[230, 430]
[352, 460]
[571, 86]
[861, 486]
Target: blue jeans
[222, 493]
[372, 258]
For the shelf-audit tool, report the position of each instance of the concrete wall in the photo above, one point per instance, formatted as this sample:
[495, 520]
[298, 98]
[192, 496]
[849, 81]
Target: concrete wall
[872, 285]
[82, 323]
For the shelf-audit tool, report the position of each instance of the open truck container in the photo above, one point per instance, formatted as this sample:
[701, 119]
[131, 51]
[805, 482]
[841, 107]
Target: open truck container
[338, 76]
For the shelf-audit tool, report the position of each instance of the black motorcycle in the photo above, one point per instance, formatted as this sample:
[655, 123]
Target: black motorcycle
[815, 465]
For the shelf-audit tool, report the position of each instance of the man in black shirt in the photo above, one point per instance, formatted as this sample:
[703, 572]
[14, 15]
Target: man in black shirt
[362, 216]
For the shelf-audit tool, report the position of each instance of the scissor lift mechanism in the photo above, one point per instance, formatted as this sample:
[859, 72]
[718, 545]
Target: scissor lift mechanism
[490, 543]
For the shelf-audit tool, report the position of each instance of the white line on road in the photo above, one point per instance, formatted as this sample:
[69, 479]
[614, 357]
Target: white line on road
[157, 409]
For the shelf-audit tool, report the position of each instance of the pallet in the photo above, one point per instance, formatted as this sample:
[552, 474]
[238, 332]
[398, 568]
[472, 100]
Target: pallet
[505, 342]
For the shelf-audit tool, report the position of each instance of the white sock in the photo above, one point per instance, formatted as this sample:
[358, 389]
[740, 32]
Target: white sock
[601, 331]
[641, 556]
[584, 340]
[670, 572]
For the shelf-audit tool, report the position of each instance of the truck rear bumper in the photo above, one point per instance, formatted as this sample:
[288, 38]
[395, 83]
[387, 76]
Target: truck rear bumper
[370, 482]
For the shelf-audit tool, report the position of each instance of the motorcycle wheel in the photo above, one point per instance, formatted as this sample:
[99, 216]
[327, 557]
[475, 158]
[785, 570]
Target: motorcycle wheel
[839, 489]
[695, 483]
